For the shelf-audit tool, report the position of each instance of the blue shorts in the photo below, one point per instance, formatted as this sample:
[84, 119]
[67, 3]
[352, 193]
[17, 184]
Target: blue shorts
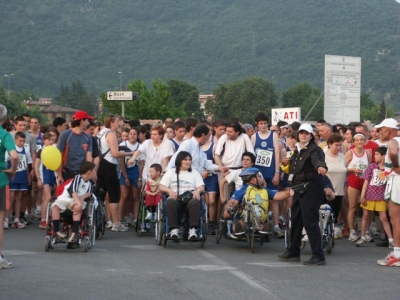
[211, 183]
[49, 178]
[270, 185]
[18, 186]
[132, 179]
[285, 181]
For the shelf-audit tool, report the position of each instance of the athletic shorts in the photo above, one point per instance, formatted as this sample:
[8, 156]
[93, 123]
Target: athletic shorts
[107, 179]
[375, 205]
[18, 186]
[211, 183]
[133, 180]
[3, 198]
[64, 204]
[355, 182]
[395, 193]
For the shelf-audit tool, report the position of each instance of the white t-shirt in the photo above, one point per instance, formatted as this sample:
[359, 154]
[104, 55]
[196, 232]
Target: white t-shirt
[132, 148]
[155, 155]
[188, 181]
[233, 176]
[232, 156]
[336, 171]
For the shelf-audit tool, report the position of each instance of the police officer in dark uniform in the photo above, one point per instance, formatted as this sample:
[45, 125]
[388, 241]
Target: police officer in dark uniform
[306, 170]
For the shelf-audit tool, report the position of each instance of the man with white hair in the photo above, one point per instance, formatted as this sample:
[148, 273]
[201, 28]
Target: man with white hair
[6, 145]
[388, 130]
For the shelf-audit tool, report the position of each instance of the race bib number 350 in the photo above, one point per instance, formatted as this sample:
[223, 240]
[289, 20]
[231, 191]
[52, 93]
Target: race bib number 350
[264, 158]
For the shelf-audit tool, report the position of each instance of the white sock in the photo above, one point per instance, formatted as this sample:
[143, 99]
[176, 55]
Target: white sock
[276, 226]
[396, 252]
[352, 231]
[16, 220]
[391, 240]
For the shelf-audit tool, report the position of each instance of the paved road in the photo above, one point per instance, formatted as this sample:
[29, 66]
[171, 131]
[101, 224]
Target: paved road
[124, 266]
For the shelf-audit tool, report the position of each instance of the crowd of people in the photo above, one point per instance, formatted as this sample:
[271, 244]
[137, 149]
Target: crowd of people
[355, 169]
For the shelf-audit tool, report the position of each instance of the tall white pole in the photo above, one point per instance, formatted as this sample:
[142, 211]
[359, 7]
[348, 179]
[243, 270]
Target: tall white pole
[120, 88]
[9, 83]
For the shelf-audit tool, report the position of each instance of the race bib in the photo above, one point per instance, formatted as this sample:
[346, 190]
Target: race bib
[264, 158]
[388, 190]
[377, 178]
[22, 165]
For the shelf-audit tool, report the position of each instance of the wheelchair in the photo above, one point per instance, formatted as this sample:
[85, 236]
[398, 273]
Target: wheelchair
[248, 211]
[87, 228]
[100, 215]
[327, 226]
[162, 228]
[143, 225]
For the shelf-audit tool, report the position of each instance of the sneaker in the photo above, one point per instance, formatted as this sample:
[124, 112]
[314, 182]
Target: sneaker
[5, 223]
[109, 224]
[61, 235]
[42, 225]
[305, 238]
[23, 221]
[369, 238]
[390, 261]
[128, 220]
[361, 242]
[5, 264]
[277, 233]
[19, 225]
[174, 234]
[149, 216]
[192, 234]
[353, 237]
[211, 228]
[74, 238]
[338, 233]
[315, 262]
[119, 228]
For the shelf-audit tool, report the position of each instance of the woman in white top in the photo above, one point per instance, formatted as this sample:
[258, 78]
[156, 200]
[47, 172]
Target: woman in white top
[157, 150]
[107, 173]
[336, 163]
[175, 182]
[357, 160]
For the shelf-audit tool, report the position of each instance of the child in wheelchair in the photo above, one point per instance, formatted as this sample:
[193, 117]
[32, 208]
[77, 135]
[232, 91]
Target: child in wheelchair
[152, 193]
[252, 191]
[73, 198]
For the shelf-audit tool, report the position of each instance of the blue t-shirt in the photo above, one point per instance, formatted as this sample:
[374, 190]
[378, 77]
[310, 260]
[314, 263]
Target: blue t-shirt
[240, 192]
[74, 148]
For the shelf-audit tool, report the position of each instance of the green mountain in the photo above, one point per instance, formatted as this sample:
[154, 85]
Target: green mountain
[46, 43]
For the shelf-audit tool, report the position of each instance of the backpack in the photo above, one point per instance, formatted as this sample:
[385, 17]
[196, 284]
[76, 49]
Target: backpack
[259, 197]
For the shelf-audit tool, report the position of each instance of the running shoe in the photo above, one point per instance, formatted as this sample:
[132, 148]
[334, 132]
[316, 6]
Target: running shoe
[42, 225]
[362, 242]
[192, 234]
[74, 238]
[119, 228]
[109, 224]
[5, 223]
[174, 233]
[338, 233]
[369, 238]
[60, 235]
[277, 232]
[149, 216]
[19, 225]
[390, 261]
[4, 263]
[353, 237]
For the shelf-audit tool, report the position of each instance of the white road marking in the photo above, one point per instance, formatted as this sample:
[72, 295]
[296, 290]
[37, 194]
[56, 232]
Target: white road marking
[276, 264]
[17, 252]
[241, 275]
[142, 247]
[207, 267]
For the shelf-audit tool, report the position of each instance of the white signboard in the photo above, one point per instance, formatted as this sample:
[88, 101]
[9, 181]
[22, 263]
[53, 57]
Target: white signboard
[342, 89]
[289, 114]
[119, 95]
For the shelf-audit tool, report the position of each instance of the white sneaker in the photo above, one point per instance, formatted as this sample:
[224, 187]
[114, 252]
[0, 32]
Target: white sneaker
[119, 227]
[192, 234]
[338, 233]
[4, 263]
[361, 242]
[174, 233]
[305, 238]
[353, 237]
[109, 224]
[149, 216]
[368, 237]
[5, 223]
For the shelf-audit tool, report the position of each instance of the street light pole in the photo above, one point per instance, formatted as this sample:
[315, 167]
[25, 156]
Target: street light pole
[9, 82]
[120, 88]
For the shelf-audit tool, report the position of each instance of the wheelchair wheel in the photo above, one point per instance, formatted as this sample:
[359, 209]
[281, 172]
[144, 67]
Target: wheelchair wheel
[251, 228]
[164, 239]
[218, 230]
[101, 229]
[47, 243]
[329, 244]
[159, 228]
[288, 226]
[86, 244]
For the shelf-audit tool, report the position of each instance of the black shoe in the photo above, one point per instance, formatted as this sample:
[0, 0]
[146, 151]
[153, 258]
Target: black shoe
[287, 256]
[384, 243]
[211, 229]
[315, 262]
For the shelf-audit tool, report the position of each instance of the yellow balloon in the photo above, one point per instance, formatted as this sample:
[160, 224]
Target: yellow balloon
[51, 158]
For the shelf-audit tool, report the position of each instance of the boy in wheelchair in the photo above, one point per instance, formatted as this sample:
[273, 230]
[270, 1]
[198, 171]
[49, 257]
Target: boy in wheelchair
[73, 198]
[252, 179]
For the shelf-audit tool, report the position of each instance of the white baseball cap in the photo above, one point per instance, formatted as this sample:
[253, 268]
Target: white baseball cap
[389, 123]
[306, 127]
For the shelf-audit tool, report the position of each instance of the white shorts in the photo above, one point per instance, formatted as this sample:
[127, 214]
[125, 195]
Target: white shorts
[395, 188]
[64, 204]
